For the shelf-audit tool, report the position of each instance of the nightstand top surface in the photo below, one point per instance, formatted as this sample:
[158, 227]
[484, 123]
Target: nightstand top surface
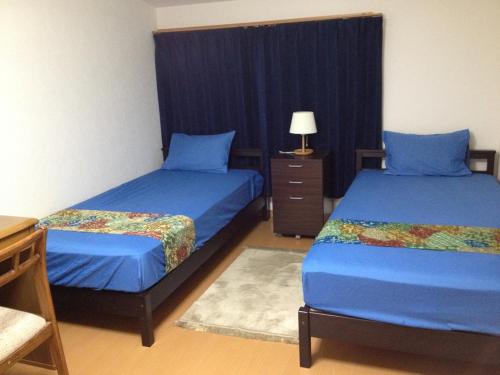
[320, 154]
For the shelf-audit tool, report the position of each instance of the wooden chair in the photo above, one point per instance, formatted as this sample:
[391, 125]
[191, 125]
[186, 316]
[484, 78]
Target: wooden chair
[22, 333]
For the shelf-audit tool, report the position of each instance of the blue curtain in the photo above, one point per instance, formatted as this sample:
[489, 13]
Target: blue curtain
[252, 79]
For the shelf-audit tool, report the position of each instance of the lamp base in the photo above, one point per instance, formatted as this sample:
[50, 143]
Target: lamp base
[303, 152]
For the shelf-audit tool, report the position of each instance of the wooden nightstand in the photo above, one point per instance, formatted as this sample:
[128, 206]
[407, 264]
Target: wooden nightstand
[298, 185]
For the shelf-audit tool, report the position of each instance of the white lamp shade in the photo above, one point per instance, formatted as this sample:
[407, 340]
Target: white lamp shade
[303, 123]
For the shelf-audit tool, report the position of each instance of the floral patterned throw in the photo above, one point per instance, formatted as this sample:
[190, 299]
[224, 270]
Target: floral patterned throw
[415, 236]
[176, 232]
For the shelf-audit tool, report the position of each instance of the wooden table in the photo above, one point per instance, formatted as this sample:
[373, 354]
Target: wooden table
[13, 228]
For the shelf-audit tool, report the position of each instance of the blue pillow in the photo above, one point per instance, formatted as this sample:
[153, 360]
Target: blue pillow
[427, 155]
[207, 153]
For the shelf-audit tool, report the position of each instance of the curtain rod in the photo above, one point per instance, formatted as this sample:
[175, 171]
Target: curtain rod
[270, 22]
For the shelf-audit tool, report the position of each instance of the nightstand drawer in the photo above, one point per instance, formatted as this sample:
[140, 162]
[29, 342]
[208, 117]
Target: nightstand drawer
[297, 169]
[302, 202]
[283, 185]
[303, 217]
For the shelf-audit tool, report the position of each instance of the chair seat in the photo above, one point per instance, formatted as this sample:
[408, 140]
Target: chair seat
[16, 328]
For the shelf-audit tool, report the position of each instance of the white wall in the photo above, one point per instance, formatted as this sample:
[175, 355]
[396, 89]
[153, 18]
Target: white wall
[78, 101]
[441, 57]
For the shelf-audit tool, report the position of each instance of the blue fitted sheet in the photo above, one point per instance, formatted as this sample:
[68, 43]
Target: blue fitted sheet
[444, 290]
[134, 263]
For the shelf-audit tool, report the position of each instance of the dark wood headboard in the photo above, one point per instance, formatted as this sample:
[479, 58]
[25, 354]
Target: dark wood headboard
[488, 155]
[254, 154]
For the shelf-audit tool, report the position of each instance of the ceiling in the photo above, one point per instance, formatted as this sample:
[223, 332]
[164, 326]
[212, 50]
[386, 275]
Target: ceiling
[169, 3]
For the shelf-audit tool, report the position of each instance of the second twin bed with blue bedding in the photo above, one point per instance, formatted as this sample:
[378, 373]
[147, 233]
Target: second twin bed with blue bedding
[133, 263]
[446, 290]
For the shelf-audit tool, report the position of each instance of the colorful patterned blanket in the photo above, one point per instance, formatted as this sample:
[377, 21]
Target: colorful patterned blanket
[415, 236]
[176, 232]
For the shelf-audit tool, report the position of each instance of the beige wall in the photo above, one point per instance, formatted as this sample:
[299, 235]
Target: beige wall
[78, 102]
[441, 57]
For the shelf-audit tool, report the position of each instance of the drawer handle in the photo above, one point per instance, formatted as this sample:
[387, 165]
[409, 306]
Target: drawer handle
[295, 182]
[296, 198]
[295, 165]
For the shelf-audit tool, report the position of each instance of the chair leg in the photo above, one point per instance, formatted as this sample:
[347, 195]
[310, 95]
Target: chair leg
[146, 322]
[304, 338]
[57, 353]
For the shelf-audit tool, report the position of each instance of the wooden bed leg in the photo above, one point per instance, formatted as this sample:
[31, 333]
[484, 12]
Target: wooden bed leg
[265, 214]
[146, 322]
[304, 337]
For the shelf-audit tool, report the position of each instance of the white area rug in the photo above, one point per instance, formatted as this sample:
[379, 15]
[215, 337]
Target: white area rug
[257, 297]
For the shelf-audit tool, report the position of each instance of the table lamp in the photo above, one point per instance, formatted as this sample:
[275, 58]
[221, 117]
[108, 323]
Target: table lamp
[303, 123]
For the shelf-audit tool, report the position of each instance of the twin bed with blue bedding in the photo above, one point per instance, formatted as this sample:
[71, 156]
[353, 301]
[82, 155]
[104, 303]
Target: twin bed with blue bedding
[126, 250]
[373, 294]
[132, 263]
[449, 290]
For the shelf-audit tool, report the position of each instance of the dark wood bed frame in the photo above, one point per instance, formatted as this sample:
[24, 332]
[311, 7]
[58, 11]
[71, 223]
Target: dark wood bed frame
[142, 304]
[458, 345]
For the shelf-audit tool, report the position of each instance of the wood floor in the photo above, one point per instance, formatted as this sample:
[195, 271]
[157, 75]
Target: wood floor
[109, 345]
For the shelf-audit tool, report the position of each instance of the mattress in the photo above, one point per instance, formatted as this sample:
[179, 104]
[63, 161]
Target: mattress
[135, 263]
[444, 290]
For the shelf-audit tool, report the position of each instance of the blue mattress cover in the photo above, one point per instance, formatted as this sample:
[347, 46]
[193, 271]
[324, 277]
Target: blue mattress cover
[444, 290]
[134, 263]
